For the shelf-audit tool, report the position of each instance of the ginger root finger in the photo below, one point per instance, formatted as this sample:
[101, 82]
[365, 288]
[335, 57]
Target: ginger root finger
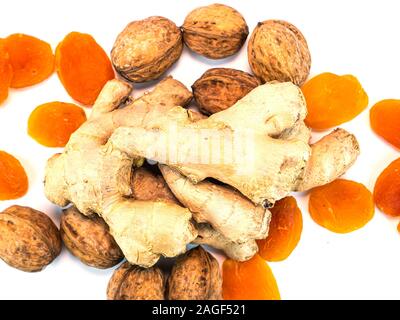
[236, 251]
[149, 186]
[133, 225]
[229, 212]
[330, 158]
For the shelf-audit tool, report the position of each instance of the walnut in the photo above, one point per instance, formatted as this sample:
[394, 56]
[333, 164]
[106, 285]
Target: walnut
[88, 239]
[29, 240]
[278, 51]
[195, 276]
[145, 49]
[215, 31]
[220, 88]
[135, 283]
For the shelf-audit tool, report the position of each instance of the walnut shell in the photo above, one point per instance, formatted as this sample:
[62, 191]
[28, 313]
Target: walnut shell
[145, 49]
[88, 239]
[195, 276]
[216, 31]
[277, 50]
[147, 186]
[135, 283]
[220, 88]
[29, 240]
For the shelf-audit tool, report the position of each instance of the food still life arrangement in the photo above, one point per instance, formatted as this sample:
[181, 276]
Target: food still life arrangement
[129, 201]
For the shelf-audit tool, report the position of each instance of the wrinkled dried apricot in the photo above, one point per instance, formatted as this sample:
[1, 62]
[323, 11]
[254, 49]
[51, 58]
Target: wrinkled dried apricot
[398, 227]
[6, 71]
[333, 100]
[385, 120]
[249, 280]
[341, 206]
[13, 179]
[387, 190]
[83, 67]
[284, 231]
[32, 60]
[51, 124]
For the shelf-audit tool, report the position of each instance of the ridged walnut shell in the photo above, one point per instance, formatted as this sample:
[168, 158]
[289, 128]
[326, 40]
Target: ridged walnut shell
[29, 240]
[135, 283]
[277, 50]
[88, 239]
[195, 276]
[216, 31]
[145, 49]
[220, 88]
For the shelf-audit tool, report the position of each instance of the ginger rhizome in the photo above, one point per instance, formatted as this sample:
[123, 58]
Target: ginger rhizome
[385, 120]
[95, 170]
[96, 176]
[341, 206]
[387, 190]
[51, 124]
[6, 72]
[83, 67]
[284, 231]
[13, 178]
[333, 100]
[32, 60]
[272, 114]
[249, 280]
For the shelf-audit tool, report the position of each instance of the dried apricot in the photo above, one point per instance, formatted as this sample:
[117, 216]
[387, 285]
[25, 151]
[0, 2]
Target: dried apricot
[51, 124]
[6, 71]
[13, 179]
[284, 231]
[249, 280]
[32, 60]
[341, 206]
[385, 120]
[333, 100]
[398, 227]
[387, 190]
[83, 67]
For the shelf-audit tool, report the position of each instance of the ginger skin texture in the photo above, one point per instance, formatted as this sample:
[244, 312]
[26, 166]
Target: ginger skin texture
[281, 158]
[95, 176]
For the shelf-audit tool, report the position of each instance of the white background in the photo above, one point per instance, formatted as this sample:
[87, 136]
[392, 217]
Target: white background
[357, 37]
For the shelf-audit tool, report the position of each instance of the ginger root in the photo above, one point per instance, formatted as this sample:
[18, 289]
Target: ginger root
[151, 187]
[96, 177]
[95, 170]
[278, 154]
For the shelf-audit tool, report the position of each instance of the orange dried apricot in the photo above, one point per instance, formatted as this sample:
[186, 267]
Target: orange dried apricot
[51, 124]
[333, 100]
[249, 280]
[284, 231]
[341, 206]
[13, 179]
[385, 120]
[6, 71]
[387, 190]
[398, 227]
[32, 60]
[83, 67]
